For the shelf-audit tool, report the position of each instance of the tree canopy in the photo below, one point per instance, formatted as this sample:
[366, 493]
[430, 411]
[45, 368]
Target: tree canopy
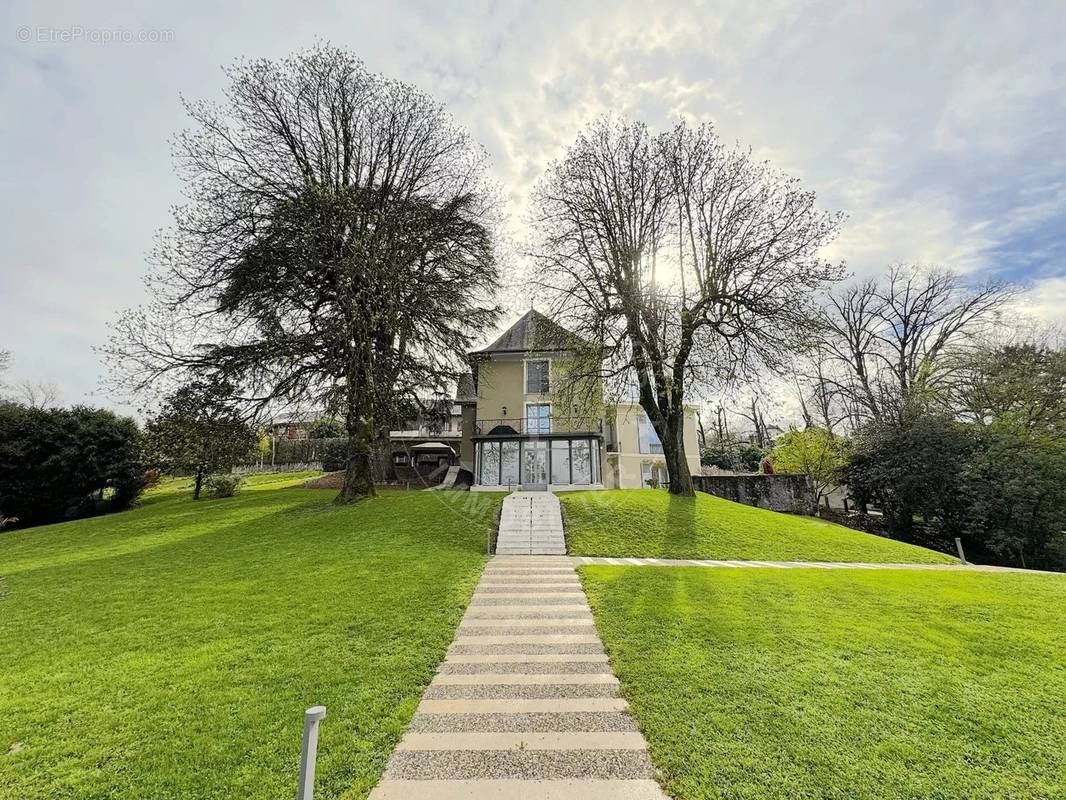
[681, 260]
[57, 464]
[199, 430]
[337, 250]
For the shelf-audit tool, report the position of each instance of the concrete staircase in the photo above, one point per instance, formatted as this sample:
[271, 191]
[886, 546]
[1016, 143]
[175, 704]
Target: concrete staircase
[531, 523]
[525, 706]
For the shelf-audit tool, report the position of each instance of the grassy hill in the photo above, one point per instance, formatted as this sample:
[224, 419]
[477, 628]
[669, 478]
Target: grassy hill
[652, 523]
[169, 651]
[775, 684]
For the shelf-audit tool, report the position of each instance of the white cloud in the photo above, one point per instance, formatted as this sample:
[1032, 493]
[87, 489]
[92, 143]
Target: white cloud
[937, 128]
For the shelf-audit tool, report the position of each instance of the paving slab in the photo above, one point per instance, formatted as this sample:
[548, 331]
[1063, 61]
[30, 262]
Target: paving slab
[518, 790]
[603, 740]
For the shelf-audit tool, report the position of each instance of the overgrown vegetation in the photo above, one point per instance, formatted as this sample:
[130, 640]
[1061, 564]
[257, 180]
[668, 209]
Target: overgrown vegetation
[170, 651]
[991, 468]
[774, 684]
[58, 464]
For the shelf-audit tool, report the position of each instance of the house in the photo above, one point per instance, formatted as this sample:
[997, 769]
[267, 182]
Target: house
[421, 452]
[524, 423]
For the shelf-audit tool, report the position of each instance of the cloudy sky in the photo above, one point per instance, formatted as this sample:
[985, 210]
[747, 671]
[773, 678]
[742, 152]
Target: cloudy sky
[937, 127]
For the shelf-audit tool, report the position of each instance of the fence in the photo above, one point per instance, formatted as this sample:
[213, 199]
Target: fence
[790, 493]
[266, 467]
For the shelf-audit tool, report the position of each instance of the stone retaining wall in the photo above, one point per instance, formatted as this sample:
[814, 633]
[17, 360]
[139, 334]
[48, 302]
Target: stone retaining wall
[789, 493]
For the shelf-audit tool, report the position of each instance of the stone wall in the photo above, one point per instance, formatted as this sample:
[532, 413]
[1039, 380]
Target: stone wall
[789, 493]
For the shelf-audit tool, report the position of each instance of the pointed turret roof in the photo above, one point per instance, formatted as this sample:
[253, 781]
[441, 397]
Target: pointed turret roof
[533, 332]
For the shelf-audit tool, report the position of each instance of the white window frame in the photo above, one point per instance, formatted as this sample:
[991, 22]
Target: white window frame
[525, 418]
[525, 375]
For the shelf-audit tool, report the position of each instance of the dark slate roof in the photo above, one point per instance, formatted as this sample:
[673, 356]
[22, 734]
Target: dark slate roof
[466, 389]
[533, 332]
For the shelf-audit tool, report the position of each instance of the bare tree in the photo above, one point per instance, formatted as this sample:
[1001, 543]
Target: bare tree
[38, 394]
[889, 344]
[337, 250]
[681, 260]
[754, 415]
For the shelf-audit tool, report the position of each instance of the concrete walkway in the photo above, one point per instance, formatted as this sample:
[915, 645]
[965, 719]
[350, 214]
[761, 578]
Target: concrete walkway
[525, 705]
[531, 523]
[688, 562]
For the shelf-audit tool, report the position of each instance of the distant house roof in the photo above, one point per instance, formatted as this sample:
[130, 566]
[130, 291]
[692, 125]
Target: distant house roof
[533, 332]
[466, 389]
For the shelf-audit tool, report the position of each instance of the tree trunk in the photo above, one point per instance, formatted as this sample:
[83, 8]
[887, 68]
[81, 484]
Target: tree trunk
[359, 470]
[900, 523]
[198, 483]
[674, 451]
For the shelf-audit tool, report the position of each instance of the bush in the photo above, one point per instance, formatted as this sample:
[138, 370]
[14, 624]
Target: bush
[327, 428]
[223, 485]
[731, 455]
[303, 451]
[910, 467]
[60, 464]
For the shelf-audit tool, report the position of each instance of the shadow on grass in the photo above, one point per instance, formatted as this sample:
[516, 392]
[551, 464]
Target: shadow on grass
[681, 526]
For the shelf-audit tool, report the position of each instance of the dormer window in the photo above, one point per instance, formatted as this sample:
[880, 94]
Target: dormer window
[537, 377]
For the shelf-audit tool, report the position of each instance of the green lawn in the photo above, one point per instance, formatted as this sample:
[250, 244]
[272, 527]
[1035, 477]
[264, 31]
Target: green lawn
[169, 651]
[764, 683]
[653, 523]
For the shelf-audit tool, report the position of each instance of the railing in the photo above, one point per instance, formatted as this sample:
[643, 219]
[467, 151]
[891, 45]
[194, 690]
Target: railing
[511, 426]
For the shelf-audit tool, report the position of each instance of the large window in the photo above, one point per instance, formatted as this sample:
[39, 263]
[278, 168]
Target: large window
[509, 464]
[537, 377]
[581, 456]
[653, 475]
[538, 418]
[561, 461]
[649, 439]
[534, 463]
[490, 463]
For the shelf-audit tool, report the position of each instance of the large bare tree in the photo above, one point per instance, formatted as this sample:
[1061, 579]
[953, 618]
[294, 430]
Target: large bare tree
[683, 261]
[893, 343]
[337, 248]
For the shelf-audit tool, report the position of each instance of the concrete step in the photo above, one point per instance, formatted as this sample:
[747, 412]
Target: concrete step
[536, 722]
[582, 626]
[520, 691]
[530, 765]
[527, 668]
[515, 613]
[623, 740]
[390, 789]
[589, 637]
[520, 706]
[554, 619]
[532, 588]
[544, 658]
[552, 580]
[503, 678]
[524, 649]
[511, 600]
[530, 625]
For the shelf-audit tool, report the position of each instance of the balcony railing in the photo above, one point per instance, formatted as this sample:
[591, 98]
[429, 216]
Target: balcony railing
[532, 426]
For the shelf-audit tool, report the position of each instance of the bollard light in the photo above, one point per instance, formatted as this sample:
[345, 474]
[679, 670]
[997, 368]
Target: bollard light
[306, 788]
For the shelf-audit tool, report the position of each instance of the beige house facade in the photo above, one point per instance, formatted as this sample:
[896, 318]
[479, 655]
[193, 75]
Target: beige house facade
[526, 424]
